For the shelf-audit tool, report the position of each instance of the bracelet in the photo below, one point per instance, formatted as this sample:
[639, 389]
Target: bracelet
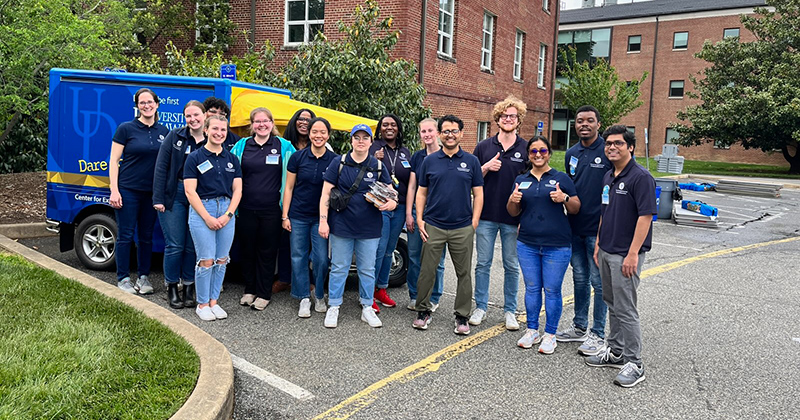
[284, 218]
[323, 217]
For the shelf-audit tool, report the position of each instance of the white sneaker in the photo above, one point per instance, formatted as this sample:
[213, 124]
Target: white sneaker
[143, 286]
[477, 317]
[319, 305]
[305, 308]
[412, 305]
[218, 312]
[126, 286]
[368, 316]
[205, 313]
[592, 346]
[530, 338]
[332, 317]
[511, 322]
[247, 299]
[549, 344]
[434, 307]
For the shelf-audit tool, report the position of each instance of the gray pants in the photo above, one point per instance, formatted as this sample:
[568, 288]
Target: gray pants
[619, 293]
[460, 243]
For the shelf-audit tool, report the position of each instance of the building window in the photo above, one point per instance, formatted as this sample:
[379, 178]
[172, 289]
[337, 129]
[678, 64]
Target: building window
[519, 44]
[304, 19]
[546, 5]
[204, 13]
[676, 89]
[542, 61]
[671, 137]
[488, 39]
[590, 45]
[730, 33]
[483, 130]
[446, 12]
[680, 40]
[631, 129]
[634, 43]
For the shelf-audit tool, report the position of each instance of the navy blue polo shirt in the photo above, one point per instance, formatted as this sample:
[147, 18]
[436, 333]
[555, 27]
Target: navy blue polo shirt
[631, 194]
[401, 168]
[139, 156]
[361, 219]
[541, 221]
[262, 174]
[309, 171]
[586, 166]
[416, 161]
[230, 139]
[449, 181]
[499, 185]
[214, 172]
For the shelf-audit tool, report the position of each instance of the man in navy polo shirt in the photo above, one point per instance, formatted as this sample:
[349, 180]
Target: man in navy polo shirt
[216, 106]
[586, 164]
[502, 157]
[625, 234]
[446, 179]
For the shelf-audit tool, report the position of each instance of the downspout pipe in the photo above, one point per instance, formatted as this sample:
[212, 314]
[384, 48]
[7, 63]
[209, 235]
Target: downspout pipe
[652, 87]
[422, 35]
[252, 23]
[554, 50]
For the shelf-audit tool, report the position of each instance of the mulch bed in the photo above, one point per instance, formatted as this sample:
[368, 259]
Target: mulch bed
[23, 197]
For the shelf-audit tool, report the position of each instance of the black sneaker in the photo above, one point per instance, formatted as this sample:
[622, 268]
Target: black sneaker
[630, 375]
[422, 321]
[604, 359]
[462, 327]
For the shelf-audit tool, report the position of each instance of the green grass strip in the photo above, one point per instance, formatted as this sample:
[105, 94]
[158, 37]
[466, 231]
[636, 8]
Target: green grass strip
[67, 351]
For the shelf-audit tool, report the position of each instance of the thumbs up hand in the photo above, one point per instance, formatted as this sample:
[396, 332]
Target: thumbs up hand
[494, 163]
[516, 195]
[557, 195]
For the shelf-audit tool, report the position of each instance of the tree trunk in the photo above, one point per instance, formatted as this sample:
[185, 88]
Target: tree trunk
[10, 126]
[793, 159]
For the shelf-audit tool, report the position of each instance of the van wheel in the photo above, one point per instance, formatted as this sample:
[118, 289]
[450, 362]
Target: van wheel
[397, 274]
[95, 240]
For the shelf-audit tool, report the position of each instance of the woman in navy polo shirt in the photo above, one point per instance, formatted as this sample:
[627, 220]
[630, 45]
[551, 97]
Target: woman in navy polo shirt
[136, 143]
[544, 244]
[169, 199]
[356, 228]
[388, 147]
[212, 179]
[301, 216]
[264, 157]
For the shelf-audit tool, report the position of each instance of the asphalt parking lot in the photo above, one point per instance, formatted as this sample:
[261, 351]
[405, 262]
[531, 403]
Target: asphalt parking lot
[720, 312]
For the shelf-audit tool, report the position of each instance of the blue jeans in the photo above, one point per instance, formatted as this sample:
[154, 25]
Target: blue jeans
[585, 274]
[485, 236]
[179, 257]
[136, 215]
[414, 261]
[543, 267]
[342, 250]
[393, 222]
[305, 237]
[212, 245]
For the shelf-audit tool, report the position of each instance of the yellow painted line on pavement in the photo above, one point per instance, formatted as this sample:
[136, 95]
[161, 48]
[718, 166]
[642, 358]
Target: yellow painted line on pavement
[432, 363]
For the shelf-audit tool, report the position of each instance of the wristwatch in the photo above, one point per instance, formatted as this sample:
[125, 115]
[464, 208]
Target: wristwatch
[566, 198]
[229, 214]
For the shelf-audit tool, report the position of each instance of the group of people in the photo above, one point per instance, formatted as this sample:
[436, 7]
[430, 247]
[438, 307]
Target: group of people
[293, 196]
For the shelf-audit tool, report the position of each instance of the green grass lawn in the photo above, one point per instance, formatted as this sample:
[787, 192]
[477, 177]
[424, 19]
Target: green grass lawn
[67, 351]
[702, 167]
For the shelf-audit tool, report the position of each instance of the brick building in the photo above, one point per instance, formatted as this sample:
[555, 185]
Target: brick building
[474, 52]
[660, 37]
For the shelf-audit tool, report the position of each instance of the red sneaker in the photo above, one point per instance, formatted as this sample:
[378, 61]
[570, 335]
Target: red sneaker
[382, 296]
[376, 307]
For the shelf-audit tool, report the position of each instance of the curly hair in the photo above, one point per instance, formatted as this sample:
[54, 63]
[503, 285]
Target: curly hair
[508, 102]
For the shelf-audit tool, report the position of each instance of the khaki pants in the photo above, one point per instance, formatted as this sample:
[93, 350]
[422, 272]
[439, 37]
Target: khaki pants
[460, 243]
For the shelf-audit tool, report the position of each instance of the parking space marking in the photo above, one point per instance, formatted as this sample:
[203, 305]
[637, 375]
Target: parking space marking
[271, 379]
[432, 363]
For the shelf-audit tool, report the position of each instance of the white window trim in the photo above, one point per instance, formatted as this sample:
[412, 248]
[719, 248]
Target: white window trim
[445, 37]
[683, 88]
[519, 54]
[198, 28]
[674, 48]
[483, 132]
[542, 65]
[629, 44]
[306, 25]
[484, 50]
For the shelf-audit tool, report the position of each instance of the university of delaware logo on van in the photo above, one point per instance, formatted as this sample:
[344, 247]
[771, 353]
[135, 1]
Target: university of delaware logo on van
[86, 122]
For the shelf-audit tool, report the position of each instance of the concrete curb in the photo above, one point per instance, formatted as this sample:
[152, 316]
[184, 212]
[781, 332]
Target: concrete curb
[716, 178]
[25, 230]
[212, 397]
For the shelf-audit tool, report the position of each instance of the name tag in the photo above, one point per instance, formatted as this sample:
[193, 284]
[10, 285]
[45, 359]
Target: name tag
[204, 167]
[273, 159]
[188, 150]
[524, 185]
[573, 164]
[605, 195]
[405, 164]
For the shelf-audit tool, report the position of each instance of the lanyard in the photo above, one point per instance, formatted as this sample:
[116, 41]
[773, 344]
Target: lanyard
[391, 161]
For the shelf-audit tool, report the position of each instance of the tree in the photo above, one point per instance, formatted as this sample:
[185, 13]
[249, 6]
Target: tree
[599, 85]
[356, 74]
[157, 20]
[751, 90]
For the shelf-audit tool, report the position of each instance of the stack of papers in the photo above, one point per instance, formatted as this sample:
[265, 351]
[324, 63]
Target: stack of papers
[690, 218]
[761, 189]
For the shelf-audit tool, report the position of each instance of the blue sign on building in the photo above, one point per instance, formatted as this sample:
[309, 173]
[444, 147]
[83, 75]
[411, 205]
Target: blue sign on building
[540, 127]
[227, 71]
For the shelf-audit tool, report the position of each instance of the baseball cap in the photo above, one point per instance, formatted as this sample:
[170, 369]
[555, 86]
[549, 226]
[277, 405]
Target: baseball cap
[361, 127]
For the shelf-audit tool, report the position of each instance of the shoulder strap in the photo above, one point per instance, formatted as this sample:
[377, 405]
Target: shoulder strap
[341, 164]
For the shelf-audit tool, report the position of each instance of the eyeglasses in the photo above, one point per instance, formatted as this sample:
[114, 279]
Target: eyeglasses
[259, 122]
[144, 103]
[543, 151]
[215, 111]
[454, 132]
[508, 116]
[618, 143]
[303, 119]
[359, 138]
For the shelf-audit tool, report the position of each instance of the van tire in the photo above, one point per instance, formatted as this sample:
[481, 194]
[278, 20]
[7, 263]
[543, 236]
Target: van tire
[95, 242]
[399, 269]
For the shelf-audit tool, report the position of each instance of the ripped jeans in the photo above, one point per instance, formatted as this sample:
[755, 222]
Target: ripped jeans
[214, 245]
